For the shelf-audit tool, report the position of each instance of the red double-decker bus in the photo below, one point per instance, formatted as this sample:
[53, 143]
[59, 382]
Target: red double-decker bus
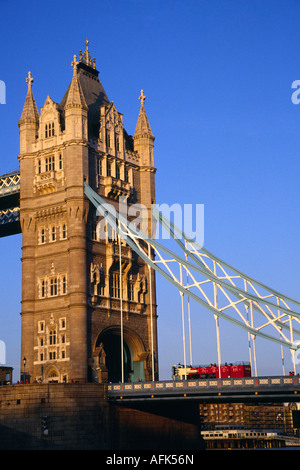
[212, 371]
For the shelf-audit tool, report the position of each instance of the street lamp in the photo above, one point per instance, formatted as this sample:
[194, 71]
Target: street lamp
[24, 362]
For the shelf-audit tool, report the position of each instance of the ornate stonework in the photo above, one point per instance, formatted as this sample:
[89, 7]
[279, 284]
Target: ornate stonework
[72, 284]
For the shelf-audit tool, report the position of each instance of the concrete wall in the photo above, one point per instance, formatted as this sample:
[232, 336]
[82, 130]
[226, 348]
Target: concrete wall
[78, 416]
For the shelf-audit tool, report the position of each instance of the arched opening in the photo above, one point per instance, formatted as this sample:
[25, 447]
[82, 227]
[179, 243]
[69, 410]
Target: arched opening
[52, 375]
[133, 355]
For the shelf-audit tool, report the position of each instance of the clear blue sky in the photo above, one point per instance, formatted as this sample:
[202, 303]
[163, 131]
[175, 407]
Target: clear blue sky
[217, 76]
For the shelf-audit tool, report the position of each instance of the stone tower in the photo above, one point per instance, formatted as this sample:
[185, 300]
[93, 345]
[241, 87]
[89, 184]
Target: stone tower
[72, 284]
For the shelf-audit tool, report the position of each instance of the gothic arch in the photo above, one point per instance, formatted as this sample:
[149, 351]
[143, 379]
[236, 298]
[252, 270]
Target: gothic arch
[134, 353]
[52, 374]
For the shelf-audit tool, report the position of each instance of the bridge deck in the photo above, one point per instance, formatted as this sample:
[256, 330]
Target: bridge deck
[275, 388]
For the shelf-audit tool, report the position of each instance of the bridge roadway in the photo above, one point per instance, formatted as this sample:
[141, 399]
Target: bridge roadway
[246, 389]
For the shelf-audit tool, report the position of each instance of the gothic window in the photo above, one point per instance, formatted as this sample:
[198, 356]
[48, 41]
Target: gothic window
[64, 232]
[108, 169]
[52, 337]
[126, 178]
[102, 282]
[64, 285]
[41, 326]
[99, 166]
[53, 286]
[39, 166]
[117, 172]
[117, 143]
[52, 357]
[49, 129]
[41, 357]
[43, 288]
[130, 291]
[60, 162]
[53, 233]
[50, 163]
[42, 342]
[115, 285]
[42, 235]
[108, 139]
[62, 323]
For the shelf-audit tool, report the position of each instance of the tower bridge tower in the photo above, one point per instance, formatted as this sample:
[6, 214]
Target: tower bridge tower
[83, 318]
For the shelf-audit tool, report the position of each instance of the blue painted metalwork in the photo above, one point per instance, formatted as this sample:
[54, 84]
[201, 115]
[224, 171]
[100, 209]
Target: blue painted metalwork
[10, 204]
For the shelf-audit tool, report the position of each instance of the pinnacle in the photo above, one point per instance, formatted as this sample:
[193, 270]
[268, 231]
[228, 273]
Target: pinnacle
[30, 112]
[75, 96]
[143, 126]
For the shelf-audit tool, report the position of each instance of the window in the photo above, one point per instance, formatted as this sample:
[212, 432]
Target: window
[53, 233]
[43, 288]
[99, 166]
[62, 323]
[64, 232]
[108, 139]
[130, 291]
[126, 178]
[50, 163]
[43, 235]
[49, 129]
[60, 162]
[39, 166]
[53, 286]
[108, 169]
[41, 356]
[115, 285]
[41, 326]
[52, 357]
[52, 337]
[117, 172]
[64, 285]
[117, 143]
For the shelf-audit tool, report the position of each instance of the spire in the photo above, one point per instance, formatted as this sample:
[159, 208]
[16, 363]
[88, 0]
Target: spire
[75, 96]
[86, 57]
[142, 126]
[30, 112]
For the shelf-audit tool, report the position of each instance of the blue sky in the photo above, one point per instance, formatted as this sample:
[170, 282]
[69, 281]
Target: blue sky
[217, 76]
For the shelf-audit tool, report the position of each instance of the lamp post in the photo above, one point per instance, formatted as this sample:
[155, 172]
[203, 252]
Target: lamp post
[24, 363]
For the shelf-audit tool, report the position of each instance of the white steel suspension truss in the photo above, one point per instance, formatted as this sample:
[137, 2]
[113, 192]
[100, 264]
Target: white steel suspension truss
[223, 290]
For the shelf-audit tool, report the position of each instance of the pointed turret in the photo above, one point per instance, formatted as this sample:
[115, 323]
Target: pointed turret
[143, 141]
[29, 121]
[75, 96]
[143, 128]
[143, 137]
[75, 108]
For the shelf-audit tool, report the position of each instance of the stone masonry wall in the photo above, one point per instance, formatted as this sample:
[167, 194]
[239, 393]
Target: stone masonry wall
[79, 416]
